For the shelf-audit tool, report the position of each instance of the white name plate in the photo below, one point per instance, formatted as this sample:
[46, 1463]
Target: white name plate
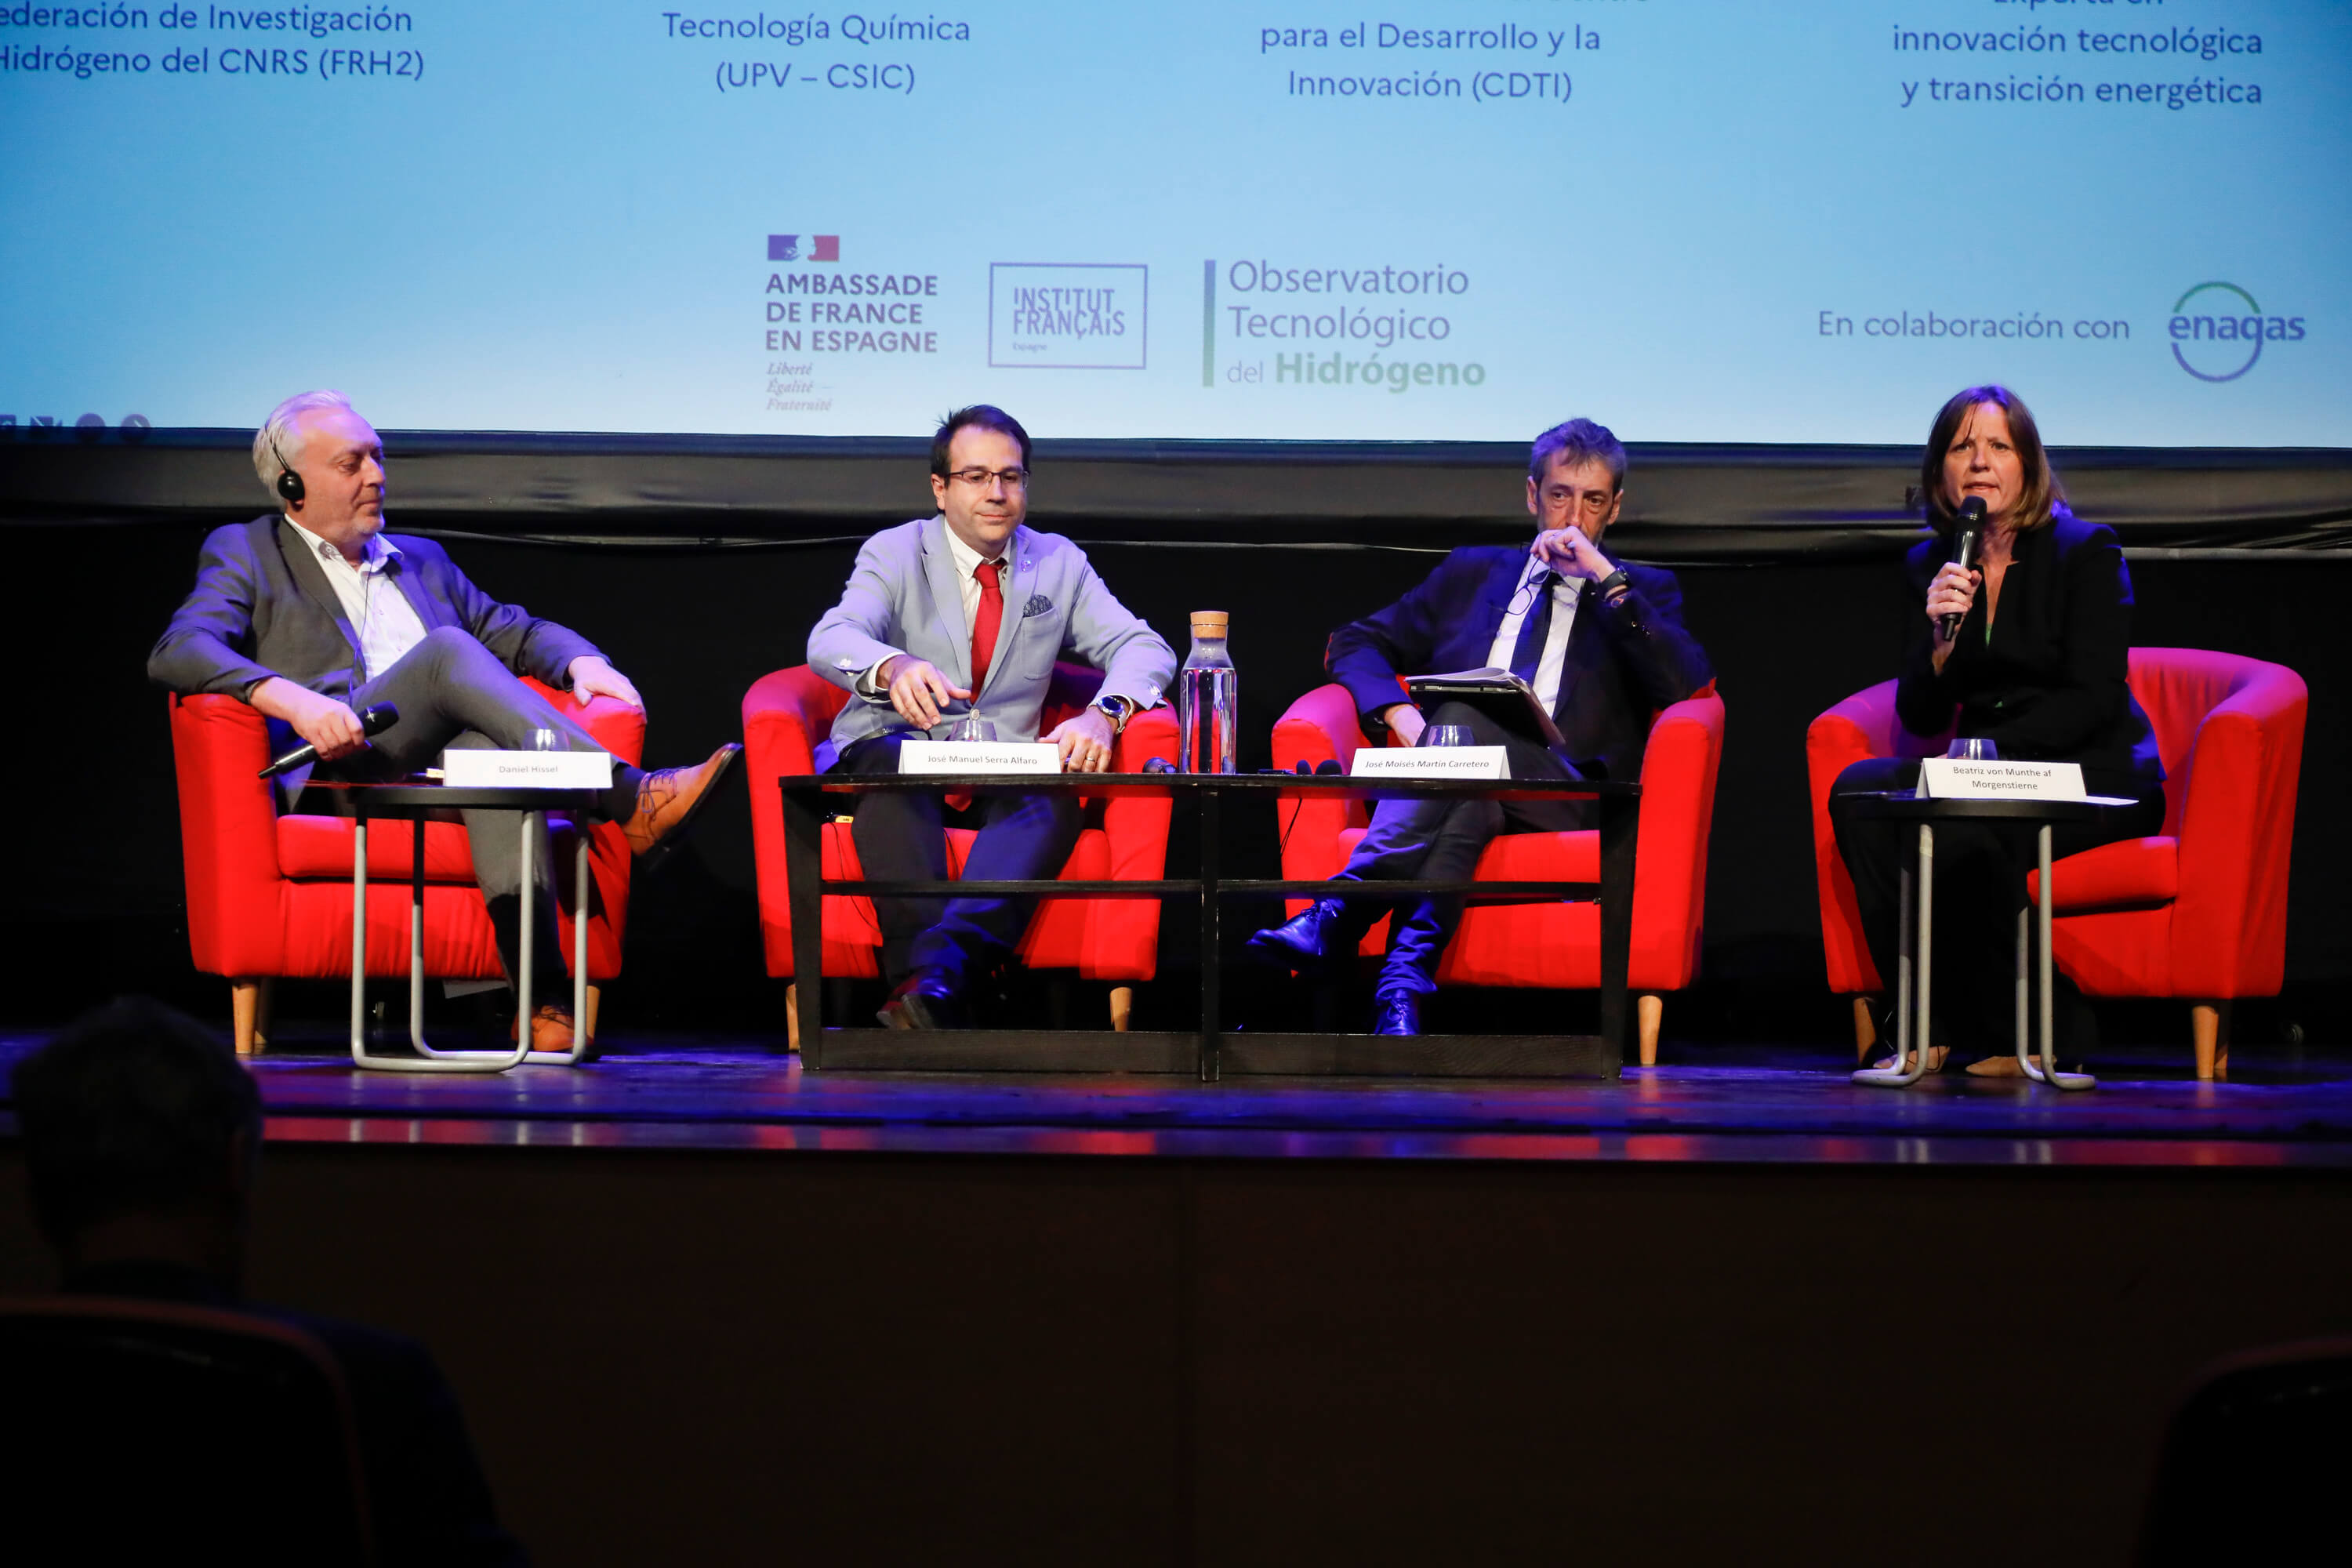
[979, 757]
[1950, 778]
[464, 768]
[1431, 763]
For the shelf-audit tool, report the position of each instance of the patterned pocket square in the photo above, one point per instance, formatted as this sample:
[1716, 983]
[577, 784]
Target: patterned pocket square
[1038, 605]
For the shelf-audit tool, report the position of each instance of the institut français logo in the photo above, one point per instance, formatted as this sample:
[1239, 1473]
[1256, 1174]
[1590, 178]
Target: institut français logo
[1068, 315]
[2219, 332]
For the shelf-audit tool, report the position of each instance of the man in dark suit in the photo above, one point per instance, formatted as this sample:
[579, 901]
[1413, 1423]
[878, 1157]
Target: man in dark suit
[1603, 645]
[141, 1136]
[315, 615]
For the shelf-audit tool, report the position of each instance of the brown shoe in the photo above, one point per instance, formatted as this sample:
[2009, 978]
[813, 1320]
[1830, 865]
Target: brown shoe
[550, 1028]
[1996, 1066]
[667, 800]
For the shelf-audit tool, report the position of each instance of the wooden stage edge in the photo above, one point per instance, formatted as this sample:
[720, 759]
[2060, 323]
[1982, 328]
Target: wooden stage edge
[1349, 1099]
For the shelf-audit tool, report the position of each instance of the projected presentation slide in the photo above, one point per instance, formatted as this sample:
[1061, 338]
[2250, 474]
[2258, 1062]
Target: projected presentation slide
[1698, 220]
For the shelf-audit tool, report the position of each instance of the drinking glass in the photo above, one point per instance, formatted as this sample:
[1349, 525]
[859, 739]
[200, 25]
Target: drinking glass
[973, 727]
[1973, 749]
[545, 741]
[1447, 735]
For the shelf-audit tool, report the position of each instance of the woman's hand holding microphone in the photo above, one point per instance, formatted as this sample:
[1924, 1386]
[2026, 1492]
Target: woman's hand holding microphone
[1949, 599]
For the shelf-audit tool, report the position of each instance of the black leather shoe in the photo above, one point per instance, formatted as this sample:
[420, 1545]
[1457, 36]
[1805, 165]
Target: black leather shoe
[1396, 1014]
[924, 1000]
[1316, 939]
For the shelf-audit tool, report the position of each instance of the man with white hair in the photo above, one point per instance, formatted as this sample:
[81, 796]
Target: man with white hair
[314, 614]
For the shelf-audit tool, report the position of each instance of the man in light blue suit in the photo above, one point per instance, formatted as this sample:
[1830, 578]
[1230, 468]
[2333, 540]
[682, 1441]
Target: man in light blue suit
[965, 613]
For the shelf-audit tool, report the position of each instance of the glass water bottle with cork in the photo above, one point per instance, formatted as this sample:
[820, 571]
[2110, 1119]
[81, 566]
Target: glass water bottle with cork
[1207, 700]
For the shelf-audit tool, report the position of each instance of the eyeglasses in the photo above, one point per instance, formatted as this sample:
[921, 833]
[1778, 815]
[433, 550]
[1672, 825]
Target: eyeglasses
[982, 478]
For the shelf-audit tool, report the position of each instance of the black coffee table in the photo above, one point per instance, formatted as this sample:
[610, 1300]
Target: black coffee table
[1214, 1051]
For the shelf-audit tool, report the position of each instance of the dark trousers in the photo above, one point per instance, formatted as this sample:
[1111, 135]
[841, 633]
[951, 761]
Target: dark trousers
[1981, 871]
[1441, 841]
[902, 837]
[452, 692]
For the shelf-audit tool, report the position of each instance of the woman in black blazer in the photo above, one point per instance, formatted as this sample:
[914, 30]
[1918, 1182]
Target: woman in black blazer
[2036, 664]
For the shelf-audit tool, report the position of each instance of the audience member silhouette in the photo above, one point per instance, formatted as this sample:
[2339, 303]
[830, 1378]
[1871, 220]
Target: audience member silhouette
[142, 1139]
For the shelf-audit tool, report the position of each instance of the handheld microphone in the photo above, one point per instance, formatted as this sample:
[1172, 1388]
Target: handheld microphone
[1964, 555]
[374, 722]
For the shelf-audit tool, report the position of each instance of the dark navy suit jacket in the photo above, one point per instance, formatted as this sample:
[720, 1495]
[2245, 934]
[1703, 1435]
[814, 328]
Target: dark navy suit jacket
[1625, 661]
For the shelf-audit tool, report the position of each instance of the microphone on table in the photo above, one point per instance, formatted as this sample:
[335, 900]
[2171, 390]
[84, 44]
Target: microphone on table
[1964, 556]
[374, 722]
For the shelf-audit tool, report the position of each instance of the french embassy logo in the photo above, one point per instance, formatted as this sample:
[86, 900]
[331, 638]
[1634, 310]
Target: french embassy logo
[821, 248]
[2218, 331]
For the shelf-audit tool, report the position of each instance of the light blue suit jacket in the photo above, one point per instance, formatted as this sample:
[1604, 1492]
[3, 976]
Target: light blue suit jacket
[903, 597]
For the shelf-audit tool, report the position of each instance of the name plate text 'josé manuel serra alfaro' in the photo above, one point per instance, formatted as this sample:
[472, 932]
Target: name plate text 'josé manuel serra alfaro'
[1953, 778]
[463, 768]
[980, 757]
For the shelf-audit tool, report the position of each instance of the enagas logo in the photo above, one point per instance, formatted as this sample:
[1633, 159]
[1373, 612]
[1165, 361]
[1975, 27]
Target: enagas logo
[2218, 331]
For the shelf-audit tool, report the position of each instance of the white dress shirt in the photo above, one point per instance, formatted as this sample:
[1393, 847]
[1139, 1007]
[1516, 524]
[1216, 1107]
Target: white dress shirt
[378, 612]
[967, 564]
[1565, 592]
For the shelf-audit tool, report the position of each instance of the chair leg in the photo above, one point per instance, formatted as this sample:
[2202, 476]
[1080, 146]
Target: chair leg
[2208, 1027]
[1651, 1008]
[793, 1016]
[248, 1008]
[1865, 1027]
[1122, 1007]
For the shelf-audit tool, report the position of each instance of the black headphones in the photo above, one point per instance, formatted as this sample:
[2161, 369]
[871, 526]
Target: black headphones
[289, 483]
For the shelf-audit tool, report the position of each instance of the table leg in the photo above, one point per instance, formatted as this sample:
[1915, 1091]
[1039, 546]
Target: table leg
[416, 935]
[804, 864]
[2048, 1071]
[1911, 1030]
[579, 1050]
[1619, 838]
[1211, 1022]
[358, 939]
[2024, 1050]
[428, 1059]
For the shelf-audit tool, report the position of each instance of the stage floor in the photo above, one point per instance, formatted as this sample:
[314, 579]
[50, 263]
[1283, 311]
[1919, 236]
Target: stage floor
[1768, 1105]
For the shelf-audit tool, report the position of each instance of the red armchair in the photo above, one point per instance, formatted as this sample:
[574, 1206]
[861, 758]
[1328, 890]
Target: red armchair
[271, 895]
[2198, 912]
[1542, 944]
[787, 712]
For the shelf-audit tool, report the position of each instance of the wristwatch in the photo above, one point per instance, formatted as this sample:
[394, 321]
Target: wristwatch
[1116, 709]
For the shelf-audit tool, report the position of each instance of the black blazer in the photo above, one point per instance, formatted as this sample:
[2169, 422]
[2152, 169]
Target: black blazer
[1625, 661]
[2050, 684]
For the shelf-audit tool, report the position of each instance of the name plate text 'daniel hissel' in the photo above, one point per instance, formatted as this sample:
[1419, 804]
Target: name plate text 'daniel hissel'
[979, 757]
[1950, 778]
[464, 768]
[1431, 763]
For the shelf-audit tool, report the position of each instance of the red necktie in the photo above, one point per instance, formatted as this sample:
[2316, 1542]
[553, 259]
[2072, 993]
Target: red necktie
[984, 625]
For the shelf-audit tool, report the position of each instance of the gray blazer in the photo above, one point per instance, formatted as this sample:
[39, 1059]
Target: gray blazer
[263, 607]
[903, 597]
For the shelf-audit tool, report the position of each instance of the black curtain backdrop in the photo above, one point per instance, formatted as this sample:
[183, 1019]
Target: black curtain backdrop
[695, 602]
